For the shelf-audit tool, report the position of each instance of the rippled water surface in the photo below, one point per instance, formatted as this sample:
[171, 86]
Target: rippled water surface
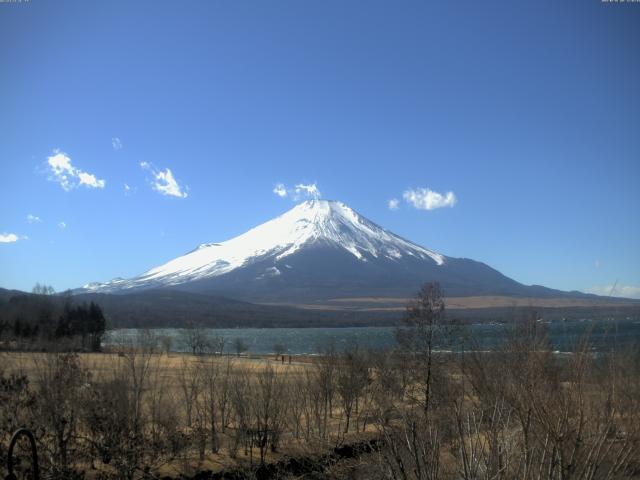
[564, 336]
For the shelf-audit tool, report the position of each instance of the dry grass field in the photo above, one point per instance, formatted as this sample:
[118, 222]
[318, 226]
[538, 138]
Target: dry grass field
[398, 304]
[168, 365]
[185, 385]
[520, 411]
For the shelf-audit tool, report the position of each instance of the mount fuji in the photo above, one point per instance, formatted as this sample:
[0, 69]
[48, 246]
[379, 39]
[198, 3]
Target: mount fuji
[320, 250]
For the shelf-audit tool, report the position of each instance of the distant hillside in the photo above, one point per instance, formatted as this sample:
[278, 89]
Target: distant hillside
[166, 308]
[169, 308]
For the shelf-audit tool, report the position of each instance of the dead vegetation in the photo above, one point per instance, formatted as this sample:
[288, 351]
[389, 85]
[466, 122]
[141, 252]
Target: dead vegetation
[519, 411]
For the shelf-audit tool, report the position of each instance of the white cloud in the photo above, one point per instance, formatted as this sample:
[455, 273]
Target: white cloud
[164, 182]
[10, 238]
[625, 291]
[280, 190]
[62, 225]
[116, 143]
[90, 180]
[394, 204]
[427, 199]
[68, 176]
[310, 191]
[33, 218]
[298, 192]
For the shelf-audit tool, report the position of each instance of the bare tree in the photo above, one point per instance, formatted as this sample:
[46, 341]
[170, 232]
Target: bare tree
[218, 342]
[211, 375]
[268, 408]
[240, 346]
[240, 394]
[165, 342]
[351, 379]
[222, 392]
[190, 382]
[196, 339]
[280, 349]
[60, 380]
[297, 393]
[423, 319]
[324, 378]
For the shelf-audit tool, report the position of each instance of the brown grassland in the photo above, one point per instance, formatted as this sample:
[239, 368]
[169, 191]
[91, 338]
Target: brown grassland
[464, 303]
[517, 412]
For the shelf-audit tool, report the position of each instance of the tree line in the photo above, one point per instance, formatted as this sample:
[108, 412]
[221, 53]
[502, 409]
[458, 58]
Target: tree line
[43, 319]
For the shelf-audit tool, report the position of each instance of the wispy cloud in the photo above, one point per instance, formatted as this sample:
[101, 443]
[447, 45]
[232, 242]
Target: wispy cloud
[393, 204]
[33, 218]
[62, 225]
[10, 237]
[298, 192]
[116, 143]
[427, 199]
[129, 190]
[626, 291]
[310, 190]
[280, 190]
[164, 182]
[69, 177]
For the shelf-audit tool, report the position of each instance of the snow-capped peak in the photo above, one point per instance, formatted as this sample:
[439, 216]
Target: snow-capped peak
[314, 222]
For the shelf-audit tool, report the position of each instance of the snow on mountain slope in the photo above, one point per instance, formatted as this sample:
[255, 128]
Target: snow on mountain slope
[310, 223]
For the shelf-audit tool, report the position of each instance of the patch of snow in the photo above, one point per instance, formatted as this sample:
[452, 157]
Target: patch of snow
[273, 271]
[310, 222]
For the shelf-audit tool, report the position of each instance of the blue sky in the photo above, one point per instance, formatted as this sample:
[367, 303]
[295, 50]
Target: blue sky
[528, 112]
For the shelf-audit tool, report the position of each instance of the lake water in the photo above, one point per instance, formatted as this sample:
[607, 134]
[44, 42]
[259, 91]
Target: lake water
[564, 336]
